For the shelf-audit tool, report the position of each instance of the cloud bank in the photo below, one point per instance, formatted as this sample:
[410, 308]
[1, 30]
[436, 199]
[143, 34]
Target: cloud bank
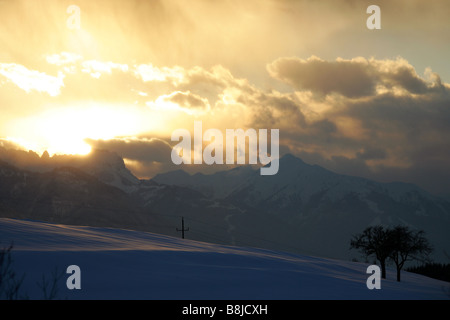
[376, 118]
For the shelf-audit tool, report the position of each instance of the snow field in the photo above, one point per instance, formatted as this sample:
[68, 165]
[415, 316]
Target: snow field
[125, 264]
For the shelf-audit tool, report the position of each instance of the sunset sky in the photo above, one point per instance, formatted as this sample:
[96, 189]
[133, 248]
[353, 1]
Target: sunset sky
[371, 103]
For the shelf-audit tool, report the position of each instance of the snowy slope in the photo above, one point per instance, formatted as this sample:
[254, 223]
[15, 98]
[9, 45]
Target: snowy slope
[123, 264]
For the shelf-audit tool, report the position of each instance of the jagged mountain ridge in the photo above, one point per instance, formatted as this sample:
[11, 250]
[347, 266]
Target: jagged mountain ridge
[65, 195]
[107, 166]
[298, 185]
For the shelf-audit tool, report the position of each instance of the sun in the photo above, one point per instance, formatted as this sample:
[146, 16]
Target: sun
[64, 130]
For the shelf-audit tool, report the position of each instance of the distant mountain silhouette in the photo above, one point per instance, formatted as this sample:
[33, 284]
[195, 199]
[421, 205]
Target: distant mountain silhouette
[317, 210]
[303, 208]
[65, 195]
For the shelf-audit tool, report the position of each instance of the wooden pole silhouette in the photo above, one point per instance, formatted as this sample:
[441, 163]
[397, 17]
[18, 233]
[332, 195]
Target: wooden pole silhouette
[182, 228]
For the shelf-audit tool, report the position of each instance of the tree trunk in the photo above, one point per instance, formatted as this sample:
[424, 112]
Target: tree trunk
[399, 268]
[383, 269]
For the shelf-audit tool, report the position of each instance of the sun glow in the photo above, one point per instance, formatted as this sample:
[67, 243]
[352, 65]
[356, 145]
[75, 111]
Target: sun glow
[64, 130]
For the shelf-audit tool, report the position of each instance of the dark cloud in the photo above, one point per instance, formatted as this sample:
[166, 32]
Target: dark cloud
[407, 78]
[407, 137]
[323, 127]
[353, 78]
[147, 150]
[273, 110]
[386, 123]
[416, 120]
[144, 157]
[349, 78]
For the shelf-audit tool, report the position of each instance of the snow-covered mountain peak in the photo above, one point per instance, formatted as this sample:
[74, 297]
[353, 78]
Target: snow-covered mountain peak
[110, 168]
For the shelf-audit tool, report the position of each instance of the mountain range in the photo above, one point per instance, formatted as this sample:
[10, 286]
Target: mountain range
[303, 209]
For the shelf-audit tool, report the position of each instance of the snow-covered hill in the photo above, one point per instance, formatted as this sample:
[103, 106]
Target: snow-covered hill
[123, 264]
